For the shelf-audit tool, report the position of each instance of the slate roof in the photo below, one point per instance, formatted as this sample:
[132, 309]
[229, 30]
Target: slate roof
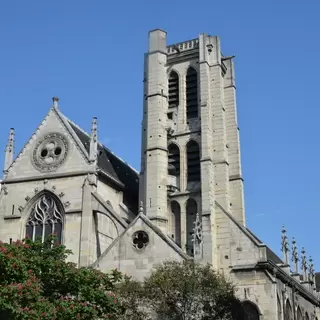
[112, 165]
[270, 254]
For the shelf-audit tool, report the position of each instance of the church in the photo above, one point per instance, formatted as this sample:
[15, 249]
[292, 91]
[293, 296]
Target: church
[186, 202]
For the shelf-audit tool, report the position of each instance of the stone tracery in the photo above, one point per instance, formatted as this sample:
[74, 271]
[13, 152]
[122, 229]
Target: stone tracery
[46, 218]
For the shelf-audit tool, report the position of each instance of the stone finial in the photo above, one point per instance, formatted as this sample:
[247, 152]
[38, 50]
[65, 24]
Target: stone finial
[141, 208]
[197, 238]
[55, 102]
[311, 271]
[197, 230]
[94, 128]
[304, 264]
[295, 255]
[9, 152]
[285, 245]
[94, 141]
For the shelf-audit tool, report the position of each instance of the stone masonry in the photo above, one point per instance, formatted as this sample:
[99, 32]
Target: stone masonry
[190, 186]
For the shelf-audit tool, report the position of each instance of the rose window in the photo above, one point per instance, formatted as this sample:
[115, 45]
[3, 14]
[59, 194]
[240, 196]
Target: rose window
[50, 152]
[140, 239]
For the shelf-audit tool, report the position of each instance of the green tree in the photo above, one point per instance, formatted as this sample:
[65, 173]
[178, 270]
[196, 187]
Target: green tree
[189, 291]
[36, 282]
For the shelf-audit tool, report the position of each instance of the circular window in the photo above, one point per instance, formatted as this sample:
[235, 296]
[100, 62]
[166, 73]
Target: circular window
[140, 239]
[50, 152]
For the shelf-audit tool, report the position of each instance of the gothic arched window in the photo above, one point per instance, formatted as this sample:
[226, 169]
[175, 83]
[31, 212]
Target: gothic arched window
[288, 312]
[192, 93]
[279, 308]
[299, 314]
[46, 218]
[307, 316]
[251, 311]
[175, 222]
[173, 89]
[191, 211]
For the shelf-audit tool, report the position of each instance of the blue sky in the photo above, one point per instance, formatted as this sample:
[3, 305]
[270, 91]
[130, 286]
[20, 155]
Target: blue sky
[90, 54]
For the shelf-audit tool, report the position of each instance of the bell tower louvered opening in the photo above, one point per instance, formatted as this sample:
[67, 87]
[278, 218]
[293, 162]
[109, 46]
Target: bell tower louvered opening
[173, 88]
[193, 162]
[174, 160]
[175, 222]
[192, 93]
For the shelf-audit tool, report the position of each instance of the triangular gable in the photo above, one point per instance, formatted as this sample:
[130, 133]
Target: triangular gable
[141, 219]
[56, 121]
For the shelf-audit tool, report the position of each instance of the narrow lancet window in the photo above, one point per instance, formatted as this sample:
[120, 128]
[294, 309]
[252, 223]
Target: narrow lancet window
[191, 211]
[193, 162]
[173, 89]
[288, 311]
[45, 219]
[176, 222]
[279, 308]
[192, 94]
[299, 314]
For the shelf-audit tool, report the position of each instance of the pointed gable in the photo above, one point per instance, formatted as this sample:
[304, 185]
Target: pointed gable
[138, 261]
[54, 133]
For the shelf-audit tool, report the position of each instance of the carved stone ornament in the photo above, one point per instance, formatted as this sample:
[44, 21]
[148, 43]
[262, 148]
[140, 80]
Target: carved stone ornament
[50, 152]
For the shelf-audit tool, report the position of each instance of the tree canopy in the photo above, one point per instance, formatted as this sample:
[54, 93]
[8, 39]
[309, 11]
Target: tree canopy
[36, 282]
[185, 291]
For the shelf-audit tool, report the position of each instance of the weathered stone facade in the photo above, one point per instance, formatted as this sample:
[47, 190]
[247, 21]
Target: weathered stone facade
[113, 217]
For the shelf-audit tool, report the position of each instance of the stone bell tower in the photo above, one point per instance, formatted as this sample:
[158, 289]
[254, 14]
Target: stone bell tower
[190, 156]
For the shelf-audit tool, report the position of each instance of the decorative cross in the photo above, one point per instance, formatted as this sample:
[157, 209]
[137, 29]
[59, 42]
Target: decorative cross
[295, 255]
[285, 245]
[304, 264]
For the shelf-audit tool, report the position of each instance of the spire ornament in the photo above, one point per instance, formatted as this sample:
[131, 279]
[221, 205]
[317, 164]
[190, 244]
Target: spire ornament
[311, 271]
[94, 141]
[197, 238]
[295, 255]
[140, 211]
[285, 246]
[9, 153]
[304, 264]
[55, 102]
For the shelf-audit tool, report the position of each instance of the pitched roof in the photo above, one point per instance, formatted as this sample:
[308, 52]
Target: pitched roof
[110, 164]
